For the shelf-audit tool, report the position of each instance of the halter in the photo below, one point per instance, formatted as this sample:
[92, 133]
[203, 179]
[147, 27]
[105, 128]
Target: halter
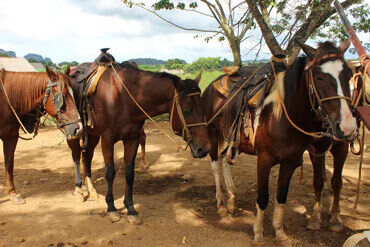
[186, 126]
[313, 94]
[58, 102]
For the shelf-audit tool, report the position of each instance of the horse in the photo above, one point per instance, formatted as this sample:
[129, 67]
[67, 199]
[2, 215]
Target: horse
[30, 95]
[118, 118]
[313, 95]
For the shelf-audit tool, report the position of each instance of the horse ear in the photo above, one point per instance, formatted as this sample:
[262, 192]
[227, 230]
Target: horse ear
[68, 70]
[345, 45]
[308, 50]
[199, 76]
[51, 74]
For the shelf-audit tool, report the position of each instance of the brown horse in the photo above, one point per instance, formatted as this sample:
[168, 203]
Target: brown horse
[31, 94]
[118, 118]
[314, 91]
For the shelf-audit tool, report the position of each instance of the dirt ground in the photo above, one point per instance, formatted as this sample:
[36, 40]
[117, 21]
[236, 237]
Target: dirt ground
[177, 210]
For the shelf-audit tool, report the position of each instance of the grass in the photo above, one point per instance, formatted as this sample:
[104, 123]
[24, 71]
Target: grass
[207, 77]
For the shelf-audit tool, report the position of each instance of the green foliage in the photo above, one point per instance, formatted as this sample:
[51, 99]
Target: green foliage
[204, 63]
[175, 64]
[207, 77]
[73, 63]
[150, 67]
[4, 55]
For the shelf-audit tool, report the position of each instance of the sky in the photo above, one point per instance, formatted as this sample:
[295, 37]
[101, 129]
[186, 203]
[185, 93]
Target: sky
[67, 30]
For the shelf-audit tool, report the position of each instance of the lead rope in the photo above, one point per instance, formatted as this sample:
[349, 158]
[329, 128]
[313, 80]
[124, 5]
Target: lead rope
[14, 112]
[179, 147]
[365, 79]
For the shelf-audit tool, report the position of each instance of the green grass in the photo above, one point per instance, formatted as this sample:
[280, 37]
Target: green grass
[207, 77]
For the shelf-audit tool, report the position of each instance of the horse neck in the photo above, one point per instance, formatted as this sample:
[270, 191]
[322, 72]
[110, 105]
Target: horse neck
[25, 90]
[299, 107]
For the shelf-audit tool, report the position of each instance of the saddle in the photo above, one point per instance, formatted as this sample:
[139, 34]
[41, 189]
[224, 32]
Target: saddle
[253, 91]
[87, 77]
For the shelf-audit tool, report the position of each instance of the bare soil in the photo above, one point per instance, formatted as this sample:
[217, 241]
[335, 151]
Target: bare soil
[175, 199]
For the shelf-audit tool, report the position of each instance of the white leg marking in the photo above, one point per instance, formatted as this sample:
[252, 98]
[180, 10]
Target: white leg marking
[348, 122]
[316, 215]
[216, 174]
[277, 222]
[258, 226]
[230, 187]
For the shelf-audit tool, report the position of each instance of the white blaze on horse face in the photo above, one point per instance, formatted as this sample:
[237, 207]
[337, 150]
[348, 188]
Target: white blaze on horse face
[347, 122]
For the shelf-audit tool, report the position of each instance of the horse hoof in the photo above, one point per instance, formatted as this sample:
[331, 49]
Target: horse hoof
[259, 244]
[134, 220]
[222, 211]
[17, 199]
[284, 243]
[313, 225]
[114, 216]
[336, 227]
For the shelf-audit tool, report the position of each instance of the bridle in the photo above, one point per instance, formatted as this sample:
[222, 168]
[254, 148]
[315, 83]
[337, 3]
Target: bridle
[313, 95]
[58, 102]
[185, 128]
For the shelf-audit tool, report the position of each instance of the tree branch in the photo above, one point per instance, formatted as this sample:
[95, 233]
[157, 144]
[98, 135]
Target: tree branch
[265, 29]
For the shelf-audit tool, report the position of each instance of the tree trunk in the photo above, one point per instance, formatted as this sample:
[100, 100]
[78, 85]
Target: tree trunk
[235, 48]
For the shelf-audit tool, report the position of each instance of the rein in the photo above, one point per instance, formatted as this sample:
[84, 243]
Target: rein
[314, 93]
[57, 102]
[186, 126]
[178, 107]
[13, 110]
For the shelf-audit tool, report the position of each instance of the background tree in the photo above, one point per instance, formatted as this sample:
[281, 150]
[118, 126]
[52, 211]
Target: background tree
[231, 18]
[175, 63]
[281, 22]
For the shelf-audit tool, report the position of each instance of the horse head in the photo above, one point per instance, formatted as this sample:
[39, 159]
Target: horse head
[59, 103]
[187, 117]
[327, 78]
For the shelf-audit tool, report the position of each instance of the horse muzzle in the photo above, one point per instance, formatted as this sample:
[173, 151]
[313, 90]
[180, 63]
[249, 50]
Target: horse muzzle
[73, 130]
[198, 151]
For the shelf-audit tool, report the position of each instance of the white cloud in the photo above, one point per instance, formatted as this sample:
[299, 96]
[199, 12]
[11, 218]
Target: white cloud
[76, 30]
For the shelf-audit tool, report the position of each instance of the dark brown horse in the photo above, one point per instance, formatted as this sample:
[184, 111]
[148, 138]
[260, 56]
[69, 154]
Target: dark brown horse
[32, 94]
[275, 141]
[118, 118]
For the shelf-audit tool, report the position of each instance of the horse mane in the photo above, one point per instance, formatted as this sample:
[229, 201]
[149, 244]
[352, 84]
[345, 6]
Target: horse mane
[183, 86]
[293, 78]
[25, 89]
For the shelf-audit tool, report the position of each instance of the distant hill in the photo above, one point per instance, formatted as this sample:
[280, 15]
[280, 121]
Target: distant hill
[32, 57]
[9, 53]
[151, 61]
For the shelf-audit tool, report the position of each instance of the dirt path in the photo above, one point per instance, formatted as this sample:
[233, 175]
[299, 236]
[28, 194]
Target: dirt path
[175, 211]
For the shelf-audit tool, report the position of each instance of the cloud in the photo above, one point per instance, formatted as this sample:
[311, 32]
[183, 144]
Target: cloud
[76, 30]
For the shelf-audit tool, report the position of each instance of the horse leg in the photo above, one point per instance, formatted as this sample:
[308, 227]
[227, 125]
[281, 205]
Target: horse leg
[286, 171]
[216, 162]
[339, 152]
[230, 187]
[107, 144]
[9, 145]
[76, 155]
[130, 149]
[87, 156]
[318, 163]
[142, 140]
[264, 164]
[216, 165]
